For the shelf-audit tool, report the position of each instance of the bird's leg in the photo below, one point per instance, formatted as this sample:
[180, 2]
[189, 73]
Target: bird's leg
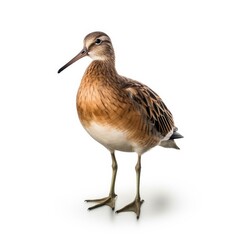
[110, 200]
[135, 206]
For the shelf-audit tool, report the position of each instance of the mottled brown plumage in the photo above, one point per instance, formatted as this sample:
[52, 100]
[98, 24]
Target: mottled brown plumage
[120, 113]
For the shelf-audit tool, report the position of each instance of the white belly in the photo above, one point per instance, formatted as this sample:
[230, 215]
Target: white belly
[111, 138]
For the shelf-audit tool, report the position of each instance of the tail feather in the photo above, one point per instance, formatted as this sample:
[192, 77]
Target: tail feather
[176, 135]
[170, 143]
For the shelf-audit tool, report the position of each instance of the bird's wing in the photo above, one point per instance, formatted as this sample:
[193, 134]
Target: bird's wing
[151, 106]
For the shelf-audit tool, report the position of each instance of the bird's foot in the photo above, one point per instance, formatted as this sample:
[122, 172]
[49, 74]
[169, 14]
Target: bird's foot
[134, 206]
[109, 201]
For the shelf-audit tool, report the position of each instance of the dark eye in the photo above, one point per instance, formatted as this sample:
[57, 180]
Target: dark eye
[98, 41]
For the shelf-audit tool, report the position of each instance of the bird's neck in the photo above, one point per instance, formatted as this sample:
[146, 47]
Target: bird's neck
[98, 76]
[100, 68]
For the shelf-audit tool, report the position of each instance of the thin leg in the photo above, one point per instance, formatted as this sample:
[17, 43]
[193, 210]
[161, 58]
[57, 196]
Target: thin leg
[110, 200]
[135, 206]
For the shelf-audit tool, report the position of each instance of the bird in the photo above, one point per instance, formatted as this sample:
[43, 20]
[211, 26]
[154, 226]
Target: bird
[120, 113]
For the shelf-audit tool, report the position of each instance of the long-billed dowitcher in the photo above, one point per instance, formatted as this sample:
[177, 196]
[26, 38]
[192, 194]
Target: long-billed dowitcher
[120, 113]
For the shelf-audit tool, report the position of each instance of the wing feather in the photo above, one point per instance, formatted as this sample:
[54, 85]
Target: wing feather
[151, 106]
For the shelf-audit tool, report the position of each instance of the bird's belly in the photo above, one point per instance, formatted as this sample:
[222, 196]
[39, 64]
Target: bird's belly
[110, 137]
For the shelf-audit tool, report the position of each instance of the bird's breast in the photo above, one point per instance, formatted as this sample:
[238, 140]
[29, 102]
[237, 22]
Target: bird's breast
[101, 111]
[98, 103]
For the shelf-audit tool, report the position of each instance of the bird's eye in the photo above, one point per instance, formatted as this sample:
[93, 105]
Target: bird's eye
[98, 41]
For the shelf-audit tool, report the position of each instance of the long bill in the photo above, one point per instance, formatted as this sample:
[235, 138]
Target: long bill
[82, 54]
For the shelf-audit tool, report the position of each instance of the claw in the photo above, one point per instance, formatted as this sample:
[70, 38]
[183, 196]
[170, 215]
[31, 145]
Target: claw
[109, 201]
[134, 206]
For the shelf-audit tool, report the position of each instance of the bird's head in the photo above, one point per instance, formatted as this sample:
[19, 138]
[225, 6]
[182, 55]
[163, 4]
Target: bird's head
[98, 46]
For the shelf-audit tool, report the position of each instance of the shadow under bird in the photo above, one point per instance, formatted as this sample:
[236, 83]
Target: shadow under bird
[120, 113]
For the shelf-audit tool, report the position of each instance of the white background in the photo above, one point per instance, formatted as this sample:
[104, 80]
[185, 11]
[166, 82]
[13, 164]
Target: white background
[188, 52]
